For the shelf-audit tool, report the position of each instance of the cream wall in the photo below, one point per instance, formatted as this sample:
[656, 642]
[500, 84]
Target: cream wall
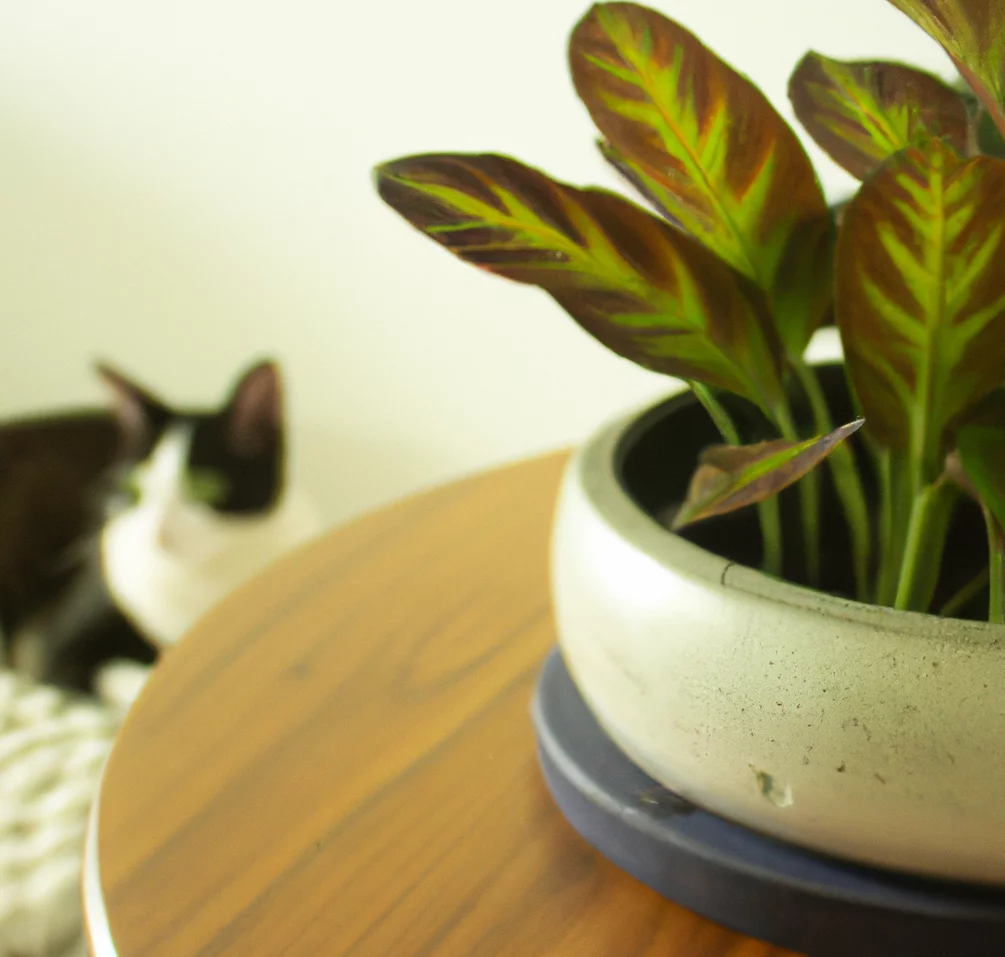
[186, 184]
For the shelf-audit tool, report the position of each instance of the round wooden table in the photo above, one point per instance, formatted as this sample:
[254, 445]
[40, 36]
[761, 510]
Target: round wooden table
[340, 761]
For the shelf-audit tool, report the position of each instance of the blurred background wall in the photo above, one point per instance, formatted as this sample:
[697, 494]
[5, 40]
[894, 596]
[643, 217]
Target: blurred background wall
[186, 186]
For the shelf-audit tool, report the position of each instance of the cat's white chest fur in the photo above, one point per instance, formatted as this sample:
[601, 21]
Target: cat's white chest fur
[167, 561]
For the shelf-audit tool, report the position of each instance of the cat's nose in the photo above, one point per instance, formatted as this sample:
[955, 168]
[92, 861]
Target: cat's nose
[166, 537]
[171, 527]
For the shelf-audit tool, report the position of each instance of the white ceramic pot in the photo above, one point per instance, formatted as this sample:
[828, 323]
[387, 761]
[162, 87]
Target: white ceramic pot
[869, 734]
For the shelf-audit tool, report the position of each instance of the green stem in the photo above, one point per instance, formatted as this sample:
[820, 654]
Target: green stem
[895, 513]
[767, 511]
[930, 567]
[964, 595]
[771, 536]
[926, 531]
[920, 508]
[847, 481]
[809, 501]
[996, 605]
[885, 590]
[722, 419]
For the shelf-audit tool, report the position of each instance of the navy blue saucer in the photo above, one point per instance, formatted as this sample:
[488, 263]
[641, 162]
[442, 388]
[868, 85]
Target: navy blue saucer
[761, 887]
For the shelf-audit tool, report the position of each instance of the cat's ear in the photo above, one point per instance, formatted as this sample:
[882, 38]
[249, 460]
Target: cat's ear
[255, 410]
[138, 412]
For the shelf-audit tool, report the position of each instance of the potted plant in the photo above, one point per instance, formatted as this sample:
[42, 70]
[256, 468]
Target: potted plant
[810, 667]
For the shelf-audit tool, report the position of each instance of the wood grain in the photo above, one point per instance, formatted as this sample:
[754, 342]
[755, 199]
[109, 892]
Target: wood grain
[339, 761]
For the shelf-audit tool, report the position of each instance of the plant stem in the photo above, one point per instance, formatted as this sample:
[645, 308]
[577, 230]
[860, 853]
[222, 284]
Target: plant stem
[884, 585]
[895, 499]
[771, 536]
[926, 530]
[847, 481]
[996, 611]
[722, 419]
[809, 501]
[767, 511]
[912, 548]
[964, 595]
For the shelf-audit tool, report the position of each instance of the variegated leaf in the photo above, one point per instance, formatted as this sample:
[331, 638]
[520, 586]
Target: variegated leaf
[987, 137]
[984, 136]
[973, 34]
[981, 450]
[730, 477]
[920, 297]
[644, 289]
[637, 177]
[707, 146]
[862, 113]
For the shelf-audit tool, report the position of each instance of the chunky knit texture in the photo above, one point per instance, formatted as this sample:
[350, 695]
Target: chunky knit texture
[53, 746]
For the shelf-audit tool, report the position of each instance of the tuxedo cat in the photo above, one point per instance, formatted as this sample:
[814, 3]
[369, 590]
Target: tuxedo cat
[118, 531]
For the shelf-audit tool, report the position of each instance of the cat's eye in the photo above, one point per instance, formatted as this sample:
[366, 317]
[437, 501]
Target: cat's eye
[206, 486]
[128, 487]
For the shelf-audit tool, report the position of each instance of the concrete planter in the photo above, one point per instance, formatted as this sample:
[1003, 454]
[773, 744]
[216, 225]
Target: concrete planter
[868, 734]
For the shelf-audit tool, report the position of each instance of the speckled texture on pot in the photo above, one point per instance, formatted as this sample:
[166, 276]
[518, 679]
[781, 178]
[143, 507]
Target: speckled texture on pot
[873, 735]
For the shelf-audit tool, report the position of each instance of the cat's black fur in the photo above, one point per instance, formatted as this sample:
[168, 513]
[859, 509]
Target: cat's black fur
[245, 443]
[51, 473]
[58, 479]
[242, 441]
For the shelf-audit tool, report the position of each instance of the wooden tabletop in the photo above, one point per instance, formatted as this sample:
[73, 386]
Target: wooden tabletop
[339, 761]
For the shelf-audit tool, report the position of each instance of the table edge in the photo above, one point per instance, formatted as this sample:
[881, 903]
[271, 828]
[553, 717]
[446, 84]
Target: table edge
[97, 931]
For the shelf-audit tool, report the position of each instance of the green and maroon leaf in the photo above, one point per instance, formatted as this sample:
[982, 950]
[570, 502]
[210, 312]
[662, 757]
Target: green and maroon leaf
[920, 299]
[862, 113]
[711, 150]
[981, 450]
[981, 453]
[644, 289]
[637, 177]
[984, 136]
[973, 34]
[730, 477]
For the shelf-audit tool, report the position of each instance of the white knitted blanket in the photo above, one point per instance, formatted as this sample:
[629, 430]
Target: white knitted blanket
[52, 748]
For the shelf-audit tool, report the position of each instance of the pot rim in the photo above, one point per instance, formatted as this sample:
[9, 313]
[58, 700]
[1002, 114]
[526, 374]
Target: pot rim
[596, 467]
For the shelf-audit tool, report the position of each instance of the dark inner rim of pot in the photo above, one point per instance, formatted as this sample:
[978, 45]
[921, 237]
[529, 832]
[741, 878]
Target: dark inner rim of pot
[656, 457]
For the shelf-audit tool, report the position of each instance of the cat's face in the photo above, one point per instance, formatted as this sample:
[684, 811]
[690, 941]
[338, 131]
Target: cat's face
[189, 464]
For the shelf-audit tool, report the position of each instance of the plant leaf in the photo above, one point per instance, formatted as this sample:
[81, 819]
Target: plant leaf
[984, 136]
[730, 477]
[973, 34]
[644, 289]
[638, 179]
[709, 148]
[862, 113]
[920, 299]
[987, 137]
[981, 451]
